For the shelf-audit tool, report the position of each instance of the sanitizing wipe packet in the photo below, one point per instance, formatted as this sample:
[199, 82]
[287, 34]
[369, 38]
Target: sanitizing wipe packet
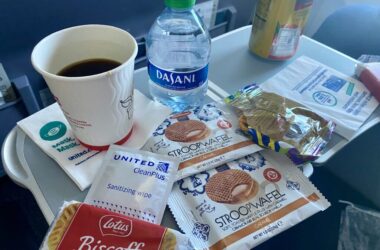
[82, 226]
[202, 138]
[333, 95]
[243, 203]
[134, 183]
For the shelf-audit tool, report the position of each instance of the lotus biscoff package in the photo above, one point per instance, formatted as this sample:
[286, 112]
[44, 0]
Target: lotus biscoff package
[82, 226]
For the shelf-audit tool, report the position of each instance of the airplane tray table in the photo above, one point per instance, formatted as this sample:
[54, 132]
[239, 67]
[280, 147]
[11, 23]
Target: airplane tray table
[235, 67]
[232, 66]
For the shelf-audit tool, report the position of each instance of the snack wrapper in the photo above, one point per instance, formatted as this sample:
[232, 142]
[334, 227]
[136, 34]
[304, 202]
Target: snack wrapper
[278, 123]
[202, 138]
[82, 226]
[245, 202]
[133, 182]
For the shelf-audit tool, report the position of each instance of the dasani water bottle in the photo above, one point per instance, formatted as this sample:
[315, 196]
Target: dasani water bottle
[178, 49]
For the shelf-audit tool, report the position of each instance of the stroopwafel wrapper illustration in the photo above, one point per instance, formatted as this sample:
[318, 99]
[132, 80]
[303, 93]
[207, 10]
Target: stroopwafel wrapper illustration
[202, 138]
[245, 202]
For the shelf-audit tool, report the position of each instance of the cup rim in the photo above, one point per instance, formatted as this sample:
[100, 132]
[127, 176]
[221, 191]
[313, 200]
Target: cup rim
[51, 75]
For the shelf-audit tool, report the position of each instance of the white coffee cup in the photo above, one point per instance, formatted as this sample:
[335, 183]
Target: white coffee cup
[98, 107]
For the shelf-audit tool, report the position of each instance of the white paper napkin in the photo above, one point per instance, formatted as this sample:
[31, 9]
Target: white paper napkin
[50, 130]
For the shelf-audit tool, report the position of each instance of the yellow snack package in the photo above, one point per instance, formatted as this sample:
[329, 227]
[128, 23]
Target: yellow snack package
[285, 126]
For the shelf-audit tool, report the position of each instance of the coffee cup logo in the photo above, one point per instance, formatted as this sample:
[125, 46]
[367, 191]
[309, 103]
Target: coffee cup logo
[128, 105]
[115, 225]
[53, 131]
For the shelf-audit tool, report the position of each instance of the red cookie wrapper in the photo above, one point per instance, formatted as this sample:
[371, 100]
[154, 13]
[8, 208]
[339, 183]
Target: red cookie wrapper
[82, 226]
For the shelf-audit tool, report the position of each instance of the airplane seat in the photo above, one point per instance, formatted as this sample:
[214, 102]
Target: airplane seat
[353, 30]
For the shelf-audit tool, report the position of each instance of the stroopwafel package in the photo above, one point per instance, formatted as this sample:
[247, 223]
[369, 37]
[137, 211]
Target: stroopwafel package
[202, 138]
[245, 202]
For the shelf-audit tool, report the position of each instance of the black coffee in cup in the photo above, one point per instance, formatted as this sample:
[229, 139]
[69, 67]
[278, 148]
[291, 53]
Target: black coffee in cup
[88, 67]
[97, 96]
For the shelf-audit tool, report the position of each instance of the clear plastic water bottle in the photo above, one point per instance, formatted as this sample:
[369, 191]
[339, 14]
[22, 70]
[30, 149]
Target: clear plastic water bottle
[178, 49]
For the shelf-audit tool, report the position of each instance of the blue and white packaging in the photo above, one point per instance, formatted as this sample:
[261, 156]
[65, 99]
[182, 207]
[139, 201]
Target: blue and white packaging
[245, 202]
[134, 183]
[178, 80]
[331, 94]
[201, 138]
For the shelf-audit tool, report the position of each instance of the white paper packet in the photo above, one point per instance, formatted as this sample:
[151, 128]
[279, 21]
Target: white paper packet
[331, 94]
[202, 138]
[135, 183]
[50, 130]
[245, 202]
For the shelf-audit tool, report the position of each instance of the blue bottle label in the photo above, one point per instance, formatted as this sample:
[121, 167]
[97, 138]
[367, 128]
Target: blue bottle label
[177, 81]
